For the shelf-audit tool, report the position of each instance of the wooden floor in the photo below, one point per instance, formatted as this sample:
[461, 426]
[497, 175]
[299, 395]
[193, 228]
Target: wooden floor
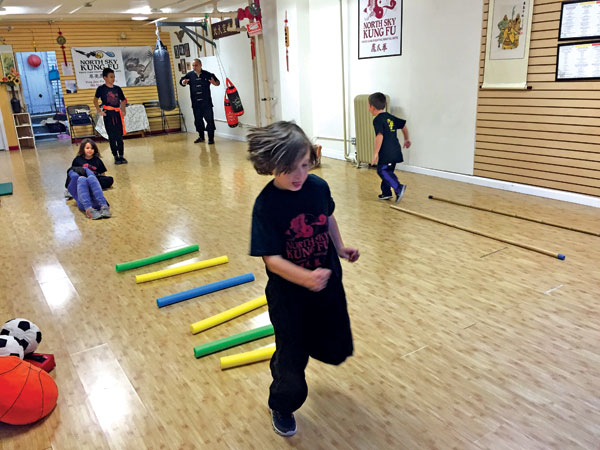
[461, 342]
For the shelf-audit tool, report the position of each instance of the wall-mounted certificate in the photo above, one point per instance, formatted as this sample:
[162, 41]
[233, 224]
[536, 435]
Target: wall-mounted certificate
[578, 61]
[579, 20]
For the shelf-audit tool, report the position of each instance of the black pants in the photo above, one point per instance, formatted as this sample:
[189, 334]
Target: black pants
[114, 129]
[306, 324]
[203, 112]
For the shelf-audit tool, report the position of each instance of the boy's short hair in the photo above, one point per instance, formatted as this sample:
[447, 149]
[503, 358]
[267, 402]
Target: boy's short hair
[377, 100]
[278, 147]
[106, 71]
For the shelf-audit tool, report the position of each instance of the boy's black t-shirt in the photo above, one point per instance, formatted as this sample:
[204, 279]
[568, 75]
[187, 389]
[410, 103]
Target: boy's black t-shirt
[110, 96]
[294, 224]
[391, 150]
[95, 164]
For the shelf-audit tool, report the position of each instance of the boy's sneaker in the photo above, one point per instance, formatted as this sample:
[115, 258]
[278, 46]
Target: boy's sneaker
[123, 160]
[105, 211]
[118, 160]
[198, 140]
[284, 424]
[384, 196]
[93, 214]
[68, 194]
[401, 193]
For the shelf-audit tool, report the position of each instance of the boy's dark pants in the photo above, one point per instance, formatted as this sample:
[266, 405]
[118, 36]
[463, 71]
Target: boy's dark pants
[388, 178]
[114, 129]
[306, 324]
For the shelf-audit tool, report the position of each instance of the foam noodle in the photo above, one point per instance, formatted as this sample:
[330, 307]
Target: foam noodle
[156, 258]
[240, 359]
[181, 269]
[232, 341]
[202, 290]
[228, 315]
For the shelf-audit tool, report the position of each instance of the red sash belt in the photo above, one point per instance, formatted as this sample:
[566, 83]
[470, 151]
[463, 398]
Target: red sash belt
[112, 108]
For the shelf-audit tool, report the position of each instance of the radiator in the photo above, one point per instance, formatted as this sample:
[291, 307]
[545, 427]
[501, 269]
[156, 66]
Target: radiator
[363, 125]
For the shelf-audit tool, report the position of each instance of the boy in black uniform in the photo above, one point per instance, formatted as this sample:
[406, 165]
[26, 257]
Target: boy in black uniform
[388, 151]
[113, 111]
[200, 81]
[296, 234]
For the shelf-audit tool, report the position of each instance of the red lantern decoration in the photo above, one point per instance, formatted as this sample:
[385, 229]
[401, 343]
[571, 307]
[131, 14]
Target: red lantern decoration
[34, 60]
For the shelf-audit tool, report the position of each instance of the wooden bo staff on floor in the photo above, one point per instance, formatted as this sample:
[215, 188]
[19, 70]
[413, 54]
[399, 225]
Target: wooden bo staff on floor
[504, 213]
[517, 244]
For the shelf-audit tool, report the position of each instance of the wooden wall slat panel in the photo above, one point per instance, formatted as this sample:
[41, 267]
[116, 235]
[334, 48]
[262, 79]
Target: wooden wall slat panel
[89, 34]
[539, 135]
[549, 135]
[537, 182]
[560, 153]
[546, 143]
[540, 167]
[545, 159]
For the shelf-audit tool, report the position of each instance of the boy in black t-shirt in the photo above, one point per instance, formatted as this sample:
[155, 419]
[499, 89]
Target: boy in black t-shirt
[296, 234]
[113, 111]
[388, 151]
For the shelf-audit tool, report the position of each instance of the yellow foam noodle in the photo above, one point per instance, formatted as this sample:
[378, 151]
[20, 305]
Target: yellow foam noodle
[181, 269]
[240, 359]
[228, 315]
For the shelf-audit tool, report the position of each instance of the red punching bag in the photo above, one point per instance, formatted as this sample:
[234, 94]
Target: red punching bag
[232, 119]
[234, 98]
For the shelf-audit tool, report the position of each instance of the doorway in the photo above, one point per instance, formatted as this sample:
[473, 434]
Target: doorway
[42, 92]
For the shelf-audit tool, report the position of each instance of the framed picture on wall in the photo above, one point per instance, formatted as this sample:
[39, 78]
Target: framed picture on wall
[8, 62]
[176, 51]
[579, 19]
[182, 66]
[186, 47]
[578, 62]
[379, 28]
[181, 50]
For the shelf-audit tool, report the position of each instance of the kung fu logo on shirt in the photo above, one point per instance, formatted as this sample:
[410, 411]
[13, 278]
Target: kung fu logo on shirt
[307, 241]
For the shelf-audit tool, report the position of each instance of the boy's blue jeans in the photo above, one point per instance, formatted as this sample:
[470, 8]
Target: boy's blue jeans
[388, 178]
[87, 192]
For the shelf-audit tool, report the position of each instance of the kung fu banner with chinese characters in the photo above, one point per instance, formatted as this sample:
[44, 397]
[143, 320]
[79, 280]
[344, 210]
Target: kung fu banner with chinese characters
[379, 28]
[88, 63]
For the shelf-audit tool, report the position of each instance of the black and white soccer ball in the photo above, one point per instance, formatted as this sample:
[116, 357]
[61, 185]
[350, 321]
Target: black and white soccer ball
[9, 346]
[25, 332]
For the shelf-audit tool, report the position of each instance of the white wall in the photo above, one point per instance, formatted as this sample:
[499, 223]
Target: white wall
[235, 54]
[433, 84]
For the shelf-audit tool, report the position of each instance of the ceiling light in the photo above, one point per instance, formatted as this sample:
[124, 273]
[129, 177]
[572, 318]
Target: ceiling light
[159, 19]
[139, 18]
[54, 9]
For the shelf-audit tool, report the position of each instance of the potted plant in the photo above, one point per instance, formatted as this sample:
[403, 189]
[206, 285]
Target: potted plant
[13, 79]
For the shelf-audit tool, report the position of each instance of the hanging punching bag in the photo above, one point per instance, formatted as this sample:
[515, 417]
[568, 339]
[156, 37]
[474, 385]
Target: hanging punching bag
[164, 77]
[232, 119]
[234, 98]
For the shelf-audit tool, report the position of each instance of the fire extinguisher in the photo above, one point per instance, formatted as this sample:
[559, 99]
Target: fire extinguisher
[232, 119]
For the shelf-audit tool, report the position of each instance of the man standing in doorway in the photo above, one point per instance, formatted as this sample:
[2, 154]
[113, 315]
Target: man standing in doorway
[199, 81]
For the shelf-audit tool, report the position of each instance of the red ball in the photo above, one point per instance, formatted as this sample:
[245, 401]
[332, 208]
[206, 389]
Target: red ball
[34, 60]
[27, 393]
